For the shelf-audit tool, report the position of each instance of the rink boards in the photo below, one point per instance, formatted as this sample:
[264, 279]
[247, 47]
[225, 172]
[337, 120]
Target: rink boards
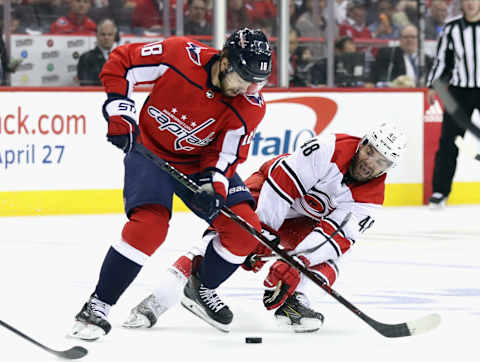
[54, 158]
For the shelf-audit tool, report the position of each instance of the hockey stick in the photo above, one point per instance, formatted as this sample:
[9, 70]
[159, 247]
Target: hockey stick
[418, 326]
[312, 249]
[72, 353]
[453, 108]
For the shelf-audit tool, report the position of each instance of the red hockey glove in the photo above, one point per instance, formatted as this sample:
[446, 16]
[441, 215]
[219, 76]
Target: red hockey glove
[281, 282]
[251, 263]
[120, 114]
[211, 195]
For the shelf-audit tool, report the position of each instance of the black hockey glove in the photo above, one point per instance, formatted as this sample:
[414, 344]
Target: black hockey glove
[120, 114]
[252, 262]
[211, 195]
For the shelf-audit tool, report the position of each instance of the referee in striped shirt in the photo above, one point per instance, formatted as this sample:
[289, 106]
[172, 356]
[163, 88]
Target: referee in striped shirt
[458, 59]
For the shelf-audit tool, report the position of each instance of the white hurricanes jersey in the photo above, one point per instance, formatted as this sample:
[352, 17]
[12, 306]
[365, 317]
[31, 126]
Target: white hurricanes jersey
[310, 182]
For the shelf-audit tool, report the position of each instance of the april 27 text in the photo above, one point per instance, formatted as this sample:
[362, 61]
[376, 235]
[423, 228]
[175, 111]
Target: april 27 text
[31, 154]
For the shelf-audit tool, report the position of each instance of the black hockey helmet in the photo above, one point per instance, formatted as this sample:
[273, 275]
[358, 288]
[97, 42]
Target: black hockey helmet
[249, 54]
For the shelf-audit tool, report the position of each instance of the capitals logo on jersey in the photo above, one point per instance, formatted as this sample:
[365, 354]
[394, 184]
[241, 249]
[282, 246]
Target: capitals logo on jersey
[193, 52]
[184, 132]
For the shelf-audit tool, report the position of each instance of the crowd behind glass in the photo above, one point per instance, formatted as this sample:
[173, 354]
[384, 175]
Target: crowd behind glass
[376, 41]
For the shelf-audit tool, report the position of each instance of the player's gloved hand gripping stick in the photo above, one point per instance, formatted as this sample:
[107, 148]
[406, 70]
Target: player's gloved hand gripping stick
[120, 113]
[418, 326]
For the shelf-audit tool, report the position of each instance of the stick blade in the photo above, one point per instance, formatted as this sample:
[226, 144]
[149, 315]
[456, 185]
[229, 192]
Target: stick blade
[425, 324]
[418, 326]
[76, 352]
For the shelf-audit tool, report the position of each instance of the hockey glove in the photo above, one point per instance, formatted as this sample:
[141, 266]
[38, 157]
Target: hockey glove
[211, 195]
[122, 129]
[251, 263]
[281, 282]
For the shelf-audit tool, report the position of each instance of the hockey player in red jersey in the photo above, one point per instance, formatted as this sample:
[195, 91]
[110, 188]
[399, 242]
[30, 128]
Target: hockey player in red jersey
[200, 117]
[302, 198]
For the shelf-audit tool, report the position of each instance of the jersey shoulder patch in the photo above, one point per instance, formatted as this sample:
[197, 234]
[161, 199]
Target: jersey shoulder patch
[255, 99]
[193, 52]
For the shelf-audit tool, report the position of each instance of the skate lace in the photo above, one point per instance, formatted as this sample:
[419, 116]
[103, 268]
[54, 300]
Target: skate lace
[211, 299]
[151, 303]
[99, 308]
[302, 299]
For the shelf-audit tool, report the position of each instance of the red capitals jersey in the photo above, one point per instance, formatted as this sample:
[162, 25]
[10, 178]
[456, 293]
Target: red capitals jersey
[67, 25]
[185, 120]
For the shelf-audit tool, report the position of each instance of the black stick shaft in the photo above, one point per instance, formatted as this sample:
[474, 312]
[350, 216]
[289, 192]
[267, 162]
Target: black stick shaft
[387, 330]
[72, 353]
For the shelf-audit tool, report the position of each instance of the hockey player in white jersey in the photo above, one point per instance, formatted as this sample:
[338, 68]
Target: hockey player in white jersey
[302, 198]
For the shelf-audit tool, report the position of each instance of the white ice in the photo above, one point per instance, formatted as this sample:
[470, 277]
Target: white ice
[413, 262]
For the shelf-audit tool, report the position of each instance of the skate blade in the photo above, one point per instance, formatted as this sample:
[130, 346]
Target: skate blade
[437, 207]
[136, 320]
[308, 325]
[86, 332]
[200, 313]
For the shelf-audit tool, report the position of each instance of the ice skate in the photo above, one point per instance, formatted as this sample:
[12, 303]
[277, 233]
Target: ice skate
[145, 314]
[91, 322]
[206, 304]
[297, 314]
[437, 201]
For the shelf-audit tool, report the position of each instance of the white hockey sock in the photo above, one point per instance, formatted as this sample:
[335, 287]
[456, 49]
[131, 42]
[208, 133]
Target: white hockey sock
[170, 288]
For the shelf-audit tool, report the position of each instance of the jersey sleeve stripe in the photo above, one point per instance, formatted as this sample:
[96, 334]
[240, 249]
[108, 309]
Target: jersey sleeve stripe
[328, 270]
[279, 191]
[143, 74]
[230, 145]
[294, 177]
[334, 225]
[335, 246]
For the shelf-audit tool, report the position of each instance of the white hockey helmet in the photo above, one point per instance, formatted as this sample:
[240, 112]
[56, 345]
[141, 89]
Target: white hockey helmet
[387, 139]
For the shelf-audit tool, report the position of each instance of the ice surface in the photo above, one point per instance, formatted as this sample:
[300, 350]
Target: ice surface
[413, 262]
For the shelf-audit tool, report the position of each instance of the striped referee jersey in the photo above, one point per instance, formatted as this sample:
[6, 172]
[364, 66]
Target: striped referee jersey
[458, 54]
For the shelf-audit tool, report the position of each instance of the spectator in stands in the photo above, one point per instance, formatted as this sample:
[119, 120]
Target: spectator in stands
[405, 13]
[120, 11]
[302, 75]
[264, 10]
[293, 13]
[341, 11]
[312, 24]
[76, 22]
[148, 16]
[383, 26]
[355, 26]
[196, 22]
[6, 65]
[237, 15]
[43, 14]
[391, 63]
[435, 19]
[3, 60]
[342, 73]
[293, 50]
[91, 63]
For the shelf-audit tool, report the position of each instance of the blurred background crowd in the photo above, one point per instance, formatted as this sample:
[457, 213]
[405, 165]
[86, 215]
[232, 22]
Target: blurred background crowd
[376, 41]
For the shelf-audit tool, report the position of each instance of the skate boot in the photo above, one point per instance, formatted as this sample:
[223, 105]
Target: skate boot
[437, 201]
[206, 304]
[145, 315]
[91, 322]
[297, 314]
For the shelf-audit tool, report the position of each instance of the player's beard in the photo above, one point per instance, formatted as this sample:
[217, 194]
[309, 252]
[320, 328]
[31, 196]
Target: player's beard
[359, 170]
[224, 85]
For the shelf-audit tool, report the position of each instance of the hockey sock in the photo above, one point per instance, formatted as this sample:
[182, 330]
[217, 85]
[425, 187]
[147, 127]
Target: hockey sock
[115, 276]
[214, 270]
[171, 287]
